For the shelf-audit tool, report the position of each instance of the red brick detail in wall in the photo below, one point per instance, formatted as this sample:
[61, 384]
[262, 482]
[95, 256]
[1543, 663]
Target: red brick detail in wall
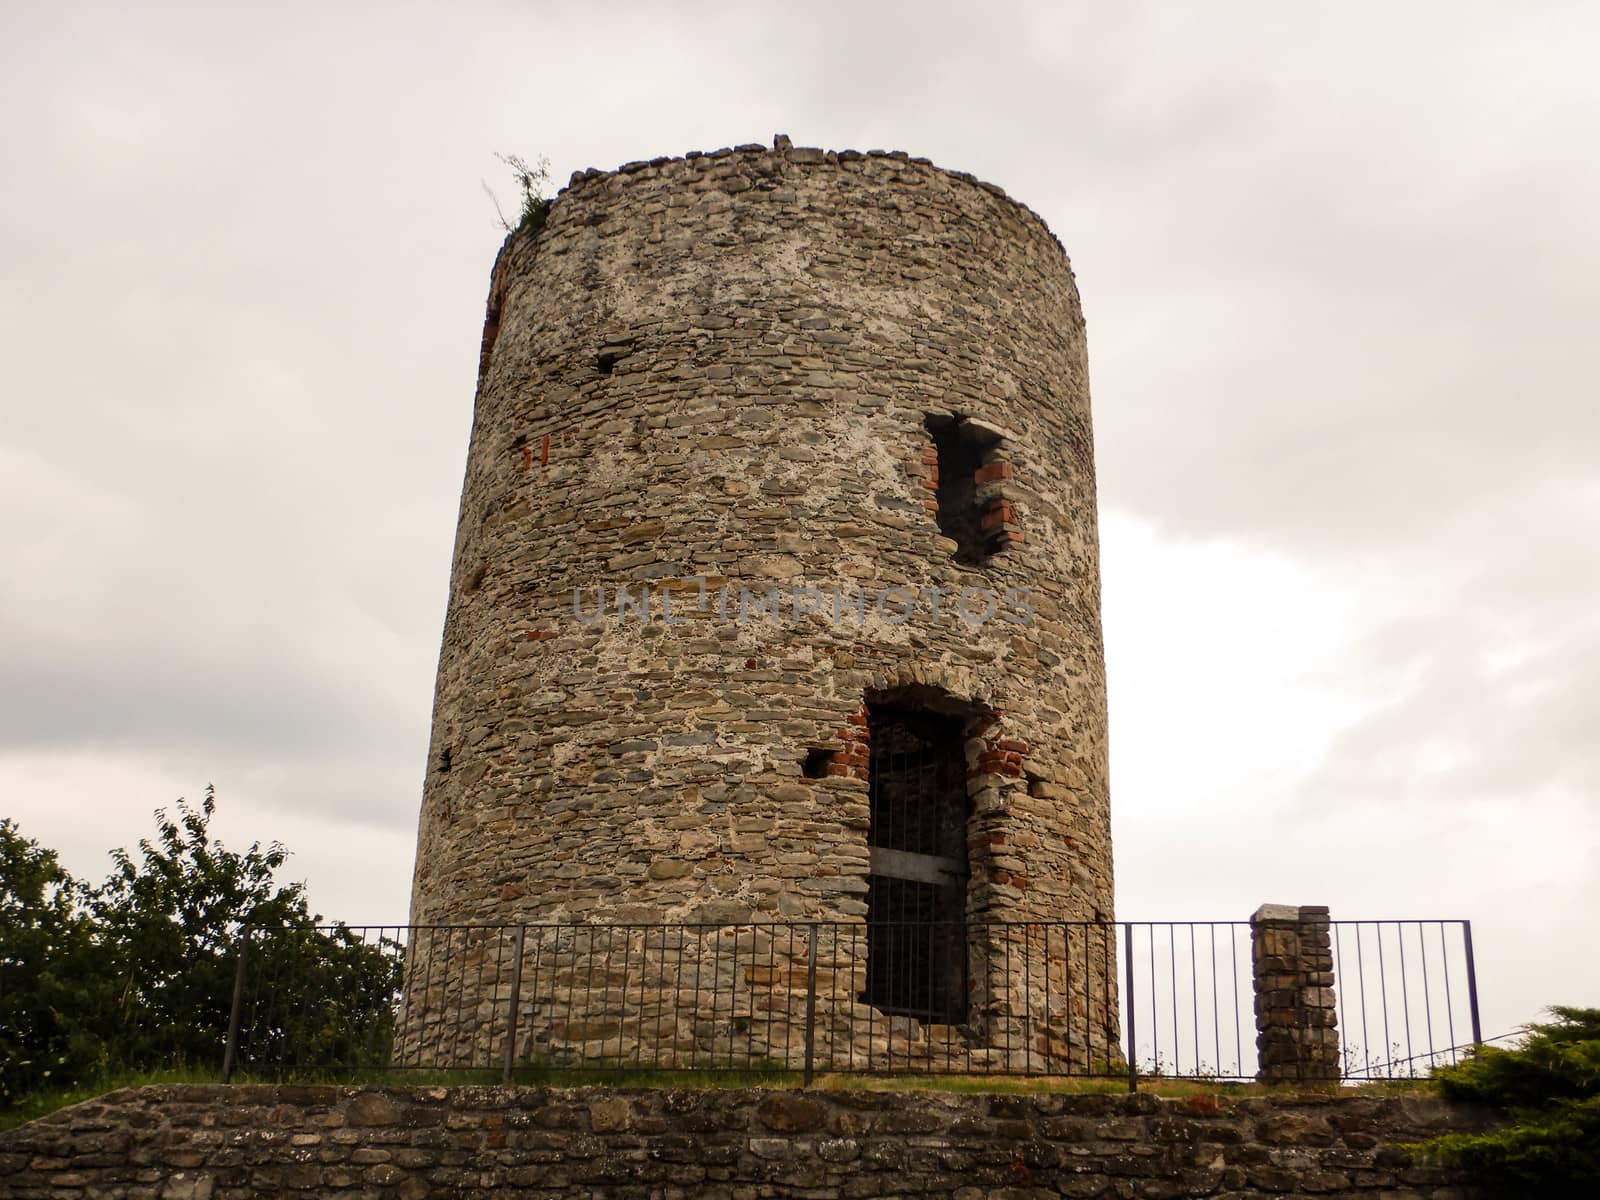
[926, 468]
[854, 756]
[1000, 513]
[491, 321]
[1000, 525]
[1000, 756]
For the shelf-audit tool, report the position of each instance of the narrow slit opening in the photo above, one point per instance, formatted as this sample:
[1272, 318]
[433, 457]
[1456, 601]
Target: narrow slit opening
[958, 514]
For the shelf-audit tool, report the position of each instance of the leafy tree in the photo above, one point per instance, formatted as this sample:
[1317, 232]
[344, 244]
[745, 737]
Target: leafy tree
[48, 977]
[318, 996]
[139, 973]
[1549, 1086]
[169, 925]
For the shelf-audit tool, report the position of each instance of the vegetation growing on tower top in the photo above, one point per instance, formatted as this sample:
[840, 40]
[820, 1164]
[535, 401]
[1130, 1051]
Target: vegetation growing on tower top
[533, 183]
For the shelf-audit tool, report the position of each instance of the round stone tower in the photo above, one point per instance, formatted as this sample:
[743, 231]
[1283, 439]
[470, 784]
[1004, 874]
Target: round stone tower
[776, 591]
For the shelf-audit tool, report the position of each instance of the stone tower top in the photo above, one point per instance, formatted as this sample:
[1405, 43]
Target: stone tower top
[781, 145]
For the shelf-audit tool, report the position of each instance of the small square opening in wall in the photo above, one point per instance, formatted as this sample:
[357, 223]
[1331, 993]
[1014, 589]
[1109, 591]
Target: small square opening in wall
[817, 761]
[444, 761]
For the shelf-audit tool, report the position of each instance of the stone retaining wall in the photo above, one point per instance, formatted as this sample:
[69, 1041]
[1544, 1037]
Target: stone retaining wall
[213, 1143]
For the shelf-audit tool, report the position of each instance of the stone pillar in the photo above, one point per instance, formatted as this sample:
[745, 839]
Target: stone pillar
[1297, 1033]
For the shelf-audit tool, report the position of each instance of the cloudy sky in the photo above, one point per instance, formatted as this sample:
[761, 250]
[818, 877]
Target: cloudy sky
[1340, 268]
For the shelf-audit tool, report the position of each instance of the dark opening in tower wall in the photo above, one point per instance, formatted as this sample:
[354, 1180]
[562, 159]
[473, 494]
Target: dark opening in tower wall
[917, 886]
[957, 491]
[816, 763]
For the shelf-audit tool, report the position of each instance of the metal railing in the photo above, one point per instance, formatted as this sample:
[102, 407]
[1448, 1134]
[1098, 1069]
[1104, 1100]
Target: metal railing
[1416, 982]
[1095, 999]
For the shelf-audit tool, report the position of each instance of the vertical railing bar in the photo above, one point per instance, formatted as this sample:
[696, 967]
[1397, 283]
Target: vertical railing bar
[1449, 1000]
[426, 1018]
[716, 984]
[694, 1000]
[1027, 1001]
[772, 979]
[1216, 1013]
[1068, 1031]
[1133, 1056]
[1383, 991]
[516, 1001]
[572, 982]
[479, 996]
[538, 957]
[835, 981]
[733, 997]
[716, 994]
[788, 999]
[681, 936]
[1011, 1006]
[439, 997]
[813, 934]
[580, 997]
[627, 954]
[1366, 1038]
[1405, 995]
[1109, 945]
[1427, 992]
[230, 1050]
[1337, 929]
[446, 1017]
[1194, 999]
[499, 974]
[460, 1005]
[646, 989]
[1238, 1028]
[1172, 964]
[460, 1013]
[1472, 983]
[1086, 972]
[876, 939]
[1156, 1008]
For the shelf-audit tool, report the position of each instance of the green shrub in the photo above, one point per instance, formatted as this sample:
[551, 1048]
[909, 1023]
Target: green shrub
[1549, 1087]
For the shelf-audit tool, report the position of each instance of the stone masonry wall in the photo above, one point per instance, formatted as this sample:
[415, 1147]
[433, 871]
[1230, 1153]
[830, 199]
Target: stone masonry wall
[1297, 1034]
[705, 379]
[217, 1143]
